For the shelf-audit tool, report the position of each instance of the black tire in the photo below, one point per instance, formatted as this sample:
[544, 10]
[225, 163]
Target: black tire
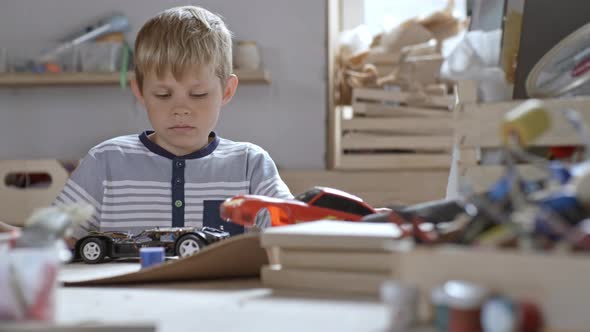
[92, 250]
[189, 245]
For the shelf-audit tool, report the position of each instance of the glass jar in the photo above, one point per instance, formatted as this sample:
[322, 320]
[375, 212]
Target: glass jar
[247, 55]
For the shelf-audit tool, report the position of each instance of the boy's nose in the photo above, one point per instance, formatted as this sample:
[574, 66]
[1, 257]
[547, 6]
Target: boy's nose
[181, 111]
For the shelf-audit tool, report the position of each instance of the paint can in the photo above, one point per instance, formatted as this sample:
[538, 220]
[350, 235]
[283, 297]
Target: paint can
[458, 306]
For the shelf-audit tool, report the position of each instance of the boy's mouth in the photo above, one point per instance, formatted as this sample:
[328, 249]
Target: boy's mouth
[182, 128]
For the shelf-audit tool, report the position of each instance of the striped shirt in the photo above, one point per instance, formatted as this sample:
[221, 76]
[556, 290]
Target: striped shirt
[135, 184]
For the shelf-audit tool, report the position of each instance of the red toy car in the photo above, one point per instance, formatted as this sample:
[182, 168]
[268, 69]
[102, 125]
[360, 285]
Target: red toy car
[314, 204]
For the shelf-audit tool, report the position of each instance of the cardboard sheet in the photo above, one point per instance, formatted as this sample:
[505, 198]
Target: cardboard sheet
[237, 257]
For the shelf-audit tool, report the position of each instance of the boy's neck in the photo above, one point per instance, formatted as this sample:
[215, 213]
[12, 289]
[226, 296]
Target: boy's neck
[151, 140]
[155, 138]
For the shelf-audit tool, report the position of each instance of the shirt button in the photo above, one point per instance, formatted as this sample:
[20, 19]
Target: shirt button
[179, 164]
[178, 203]
[178, 180]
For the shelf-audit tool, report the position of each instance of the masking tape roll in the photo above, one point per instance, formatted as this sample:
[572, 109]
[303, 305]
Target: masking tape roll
[526, 122]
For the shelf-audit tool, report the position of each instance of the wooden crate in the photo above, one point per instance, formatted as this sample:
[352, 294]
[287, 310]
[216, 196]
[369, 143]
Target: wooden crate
[17, 204]
[477, 126]
[378, 188]
[395, 130]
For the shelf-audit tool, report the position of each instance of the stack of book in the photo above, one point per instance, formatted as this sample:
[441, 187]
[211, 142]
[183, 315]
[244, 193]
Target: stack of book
[333, 256]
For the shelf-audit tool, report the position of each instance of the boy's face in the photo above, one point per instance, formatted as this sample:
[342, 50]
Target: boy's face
[184, 112]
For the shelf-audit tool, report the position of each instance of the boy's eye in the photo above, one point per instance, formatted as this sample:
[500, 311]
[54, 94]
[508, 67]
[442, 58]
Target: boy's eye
[162, 95]
[198, 95]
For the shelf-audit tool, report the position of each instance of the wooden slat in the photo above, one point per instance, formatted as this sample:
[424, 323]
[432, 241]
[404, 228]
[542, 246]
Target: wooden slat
[74, 79]
[468, 157]
[400, 97]
[395, 161]
[478, 125]
[332, 32]
[336, 141]
[253, 76]
[376, 110]
[424, 126]
[436, 89]
[466, 91]
[31, 79]
[424, 69]
[367, 141]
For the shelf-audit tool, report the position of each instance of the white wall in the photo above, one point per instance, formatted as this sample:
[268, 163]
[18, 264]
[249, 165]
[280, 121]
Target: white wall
[287, 118]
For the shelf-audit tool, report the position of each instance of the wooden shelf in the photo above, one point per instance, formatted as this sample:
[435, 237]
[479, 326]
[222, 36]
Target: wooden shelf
[24, 80]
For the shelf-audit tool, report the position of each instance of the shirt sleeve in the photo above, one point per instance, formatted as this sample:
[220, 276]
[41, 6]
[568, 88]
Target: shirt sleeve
[264, 176]
[85, 185]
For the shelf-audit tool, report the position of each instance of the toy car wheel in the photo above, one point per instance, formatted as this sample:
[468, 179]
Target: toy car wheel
[92, 250]
[189, 245]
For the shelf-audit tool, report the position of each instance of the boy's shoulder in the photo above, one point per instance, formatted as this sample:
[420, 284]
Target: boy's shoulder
[227, 145]
[118, 144]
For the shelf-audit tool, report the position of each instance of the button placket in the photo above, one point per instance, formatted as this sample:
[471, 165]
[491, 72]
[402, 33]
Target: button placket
[178, 199]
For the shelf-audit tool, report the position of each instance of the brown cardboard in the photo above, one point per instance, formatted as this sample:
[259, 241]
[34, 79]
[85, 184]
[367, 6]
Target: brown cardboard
[237, 257]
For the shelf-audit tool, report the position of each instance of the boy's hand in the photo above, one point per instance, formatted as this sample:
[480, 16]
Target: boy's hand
[4, 227]
[70, 242]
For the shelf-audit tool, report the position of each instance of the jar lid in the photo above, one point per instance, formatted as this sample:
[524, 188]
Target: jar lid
[499, 314]
[565, 68]
[463, 295]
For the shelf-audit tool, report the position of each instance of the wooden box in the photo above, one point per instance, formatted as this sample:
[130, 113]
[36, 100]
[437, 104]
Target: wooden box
[395, 130]
[377, 188]
[477, 127]
[18, 203]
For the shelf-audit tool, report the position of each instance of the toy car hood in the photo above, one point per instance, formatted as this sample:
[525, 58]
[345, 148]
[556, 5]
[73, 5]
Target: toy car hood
[238, 200]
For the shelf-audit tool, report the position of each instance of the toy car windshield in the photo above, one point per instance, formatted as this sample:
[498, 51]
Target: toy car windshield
[308, 195]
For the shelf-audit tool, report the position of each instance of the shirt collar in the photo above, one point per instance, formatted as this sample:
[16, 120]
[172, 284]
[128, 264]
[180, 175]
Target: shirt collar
[155, 148]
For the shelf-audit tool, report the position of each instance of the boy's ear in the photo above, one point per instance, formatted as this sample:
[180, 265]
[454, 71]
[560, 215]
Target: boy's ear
[136, 91]
[231, 84]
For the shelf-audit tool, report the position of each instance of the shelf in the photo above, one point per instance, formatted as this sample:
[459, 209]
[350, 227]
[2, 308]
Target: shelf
[24, 80]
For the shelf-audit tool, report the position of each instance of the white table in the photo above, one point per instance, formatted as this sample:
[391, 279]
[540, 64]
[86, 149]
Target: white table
[225, 305]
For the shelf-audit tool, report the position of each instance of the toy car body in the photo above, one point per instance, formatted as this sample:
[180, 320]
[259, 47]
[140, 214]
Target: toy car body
[177, 241]
[315, 204]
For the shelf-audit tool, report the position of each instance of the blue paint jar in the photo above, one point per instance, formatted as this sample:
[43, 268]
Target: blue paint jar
[152, 256]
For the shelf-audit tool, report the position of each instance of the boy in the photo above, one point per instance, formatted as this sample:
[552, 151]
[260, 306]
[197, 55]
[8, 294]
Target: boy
[179, 173]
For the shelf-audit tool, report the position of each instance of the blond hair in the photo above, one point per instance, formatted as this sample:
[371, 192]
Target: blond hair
[179, 38]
